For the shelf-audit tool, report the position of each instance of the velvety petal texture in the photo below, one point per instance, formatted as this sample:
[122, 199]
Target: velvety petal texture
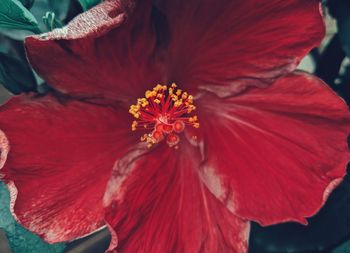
[163, 206]
[106, 52]
[61, 157]
[271, 144]
[224, 46]
[274, 154]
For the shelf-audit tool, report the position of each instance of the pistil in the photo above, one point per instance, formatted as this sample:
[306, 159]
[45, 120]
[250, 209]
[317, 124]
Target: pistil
[165, 112]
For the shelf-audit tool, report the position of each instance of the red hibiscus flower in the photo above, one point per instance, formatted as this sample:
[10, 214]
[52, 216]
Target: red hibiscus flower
[179, 167]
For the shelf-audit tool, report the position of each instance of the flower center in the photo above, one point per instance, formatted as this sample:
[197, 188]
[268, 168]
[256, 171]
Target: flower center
[165, 111]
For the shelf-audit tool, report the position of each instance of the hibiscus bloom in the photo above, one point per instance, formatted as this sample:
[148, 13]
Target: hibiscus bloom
[176, 123]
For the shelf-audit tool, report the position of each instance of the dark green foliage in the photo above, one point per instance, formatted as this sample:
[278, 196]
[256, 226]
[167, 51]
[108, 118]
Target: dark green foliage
[87, 4]
[27, 3]
[13, 15]
[344, 248]
[15, 75]
[20, 240]
[51, 21]
[59, 7]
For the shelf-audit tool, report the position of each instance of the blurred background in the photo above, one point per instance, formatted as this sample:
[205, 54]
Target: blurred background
[328, 231]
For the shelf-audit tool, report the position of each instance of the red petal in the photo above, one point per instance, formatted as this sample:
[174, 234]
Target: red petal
[105, 52]
[225, 46]
[162, 206]
[276, 153]
[61, 157]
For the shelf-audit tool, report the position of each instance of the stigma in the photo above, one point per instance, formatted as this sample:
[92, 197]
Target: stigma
[165, 112]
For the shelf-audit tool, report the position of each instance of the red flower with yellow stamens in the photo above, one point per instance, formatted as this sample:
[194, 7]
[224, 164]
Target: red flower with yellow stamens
[240, 137]
[163, 111]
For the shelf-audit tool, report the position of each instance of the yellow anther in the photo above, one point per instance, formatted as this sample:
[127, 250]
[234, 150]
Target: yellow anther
[150, 94]
[146, 113]
[158, 88]
[178, 103]
[142, 101]
[193, 119]
[191, 108]
[134, 125]
[134, 110]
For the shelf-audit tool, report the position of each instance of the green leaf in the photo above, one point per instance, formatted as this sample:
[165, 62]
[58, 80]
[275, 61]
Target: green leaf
[59, 7]
[27, 3]
[14, 15]
[51, 21]
[21, 241]
[344, 248]
[5, 44]
[15, 34]
[15, 75]
[87, 4]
